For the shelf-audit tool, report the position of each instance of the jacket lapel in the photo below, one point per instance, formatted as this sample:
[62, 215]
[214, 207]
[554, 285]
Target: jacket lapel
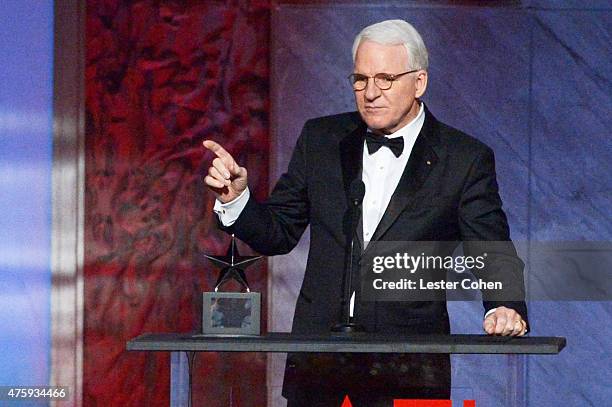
[351, 153]
[422, 160]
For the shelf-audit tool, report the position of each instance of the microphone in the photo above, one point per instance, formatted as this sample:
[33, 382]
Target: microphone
[356, 194]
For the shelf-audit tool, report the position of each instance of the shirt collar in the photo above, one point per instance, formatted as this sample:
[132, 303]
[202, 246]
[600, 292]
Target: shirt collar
[411, 129]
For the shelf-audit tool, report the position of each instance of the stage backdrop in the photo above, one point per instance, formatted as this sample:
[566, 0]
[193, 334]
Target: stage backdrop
[160, 78]
[531, 79]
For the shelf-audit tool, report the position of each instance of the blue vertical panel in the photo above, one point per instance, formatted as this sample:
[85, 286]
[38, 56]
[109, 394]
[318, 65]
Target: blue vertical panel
[571, 193]
[479, 83]
[26, 47]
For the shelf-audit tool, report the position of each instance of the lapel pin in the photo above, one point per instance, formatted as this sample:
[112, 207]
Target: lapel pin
[428, 162]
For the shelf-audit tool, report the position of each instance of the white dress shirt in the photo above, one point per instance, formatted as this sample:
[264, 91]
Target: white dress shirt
[382, 172]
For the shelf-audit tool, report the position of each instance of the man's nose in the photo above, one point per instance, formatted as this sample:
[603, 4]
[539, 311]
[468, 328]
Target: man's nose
[372, 91]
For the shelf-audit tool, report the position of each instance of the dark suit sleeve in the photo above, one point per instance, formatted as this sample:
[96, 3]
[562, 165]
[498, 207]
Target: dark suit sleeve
[484, 229]
[276, 225]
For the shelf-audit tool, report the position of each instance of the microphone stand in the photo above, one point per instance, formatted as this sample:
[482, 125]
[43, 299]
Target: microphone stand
[357, 191]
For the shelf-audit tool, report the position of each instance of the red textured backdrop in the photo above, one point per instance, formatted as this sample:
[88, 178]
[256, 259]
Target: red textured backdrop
[160, 78]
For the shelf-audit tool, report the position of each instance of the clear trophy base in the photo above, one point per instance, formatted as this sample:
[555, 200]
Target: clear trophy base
[231, 313]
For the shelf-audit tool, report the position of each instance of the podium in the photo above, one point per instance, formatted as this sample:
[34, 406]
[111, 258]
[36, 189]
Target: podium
[332, 343]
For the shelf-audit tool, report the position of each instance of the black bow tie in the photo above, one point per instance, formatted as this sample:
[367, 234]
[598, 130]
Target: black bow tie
[374, 143]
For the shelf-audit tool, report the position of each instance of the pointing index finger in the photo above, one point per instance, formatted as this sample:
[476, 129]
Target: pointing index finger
[217, 149]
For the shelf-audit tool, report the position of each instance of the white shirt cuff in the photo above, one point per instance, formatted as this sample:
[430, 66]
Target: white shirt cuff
[229, 212]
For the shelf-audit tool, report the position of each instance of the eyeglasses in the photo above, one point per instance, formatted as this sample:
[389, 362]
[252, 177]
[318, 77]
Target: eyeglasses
[382, 80]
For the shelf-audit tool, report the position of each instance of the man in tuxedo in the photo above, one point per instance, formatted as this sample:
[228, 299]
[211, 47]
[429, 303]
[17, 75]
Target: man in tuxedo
[424, 181]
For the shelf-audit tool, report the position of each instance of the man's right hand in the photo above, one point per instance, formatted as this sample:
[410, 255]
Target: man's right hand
[225, 177]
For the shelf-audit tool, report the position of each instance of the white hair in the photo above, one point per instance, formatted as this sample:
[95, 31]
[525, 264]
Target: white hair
[396, 32]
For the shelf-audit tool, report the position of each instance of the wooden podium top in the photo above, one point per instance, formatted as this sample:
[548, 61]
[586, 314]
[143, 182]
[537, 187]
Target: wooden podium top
[356, 343]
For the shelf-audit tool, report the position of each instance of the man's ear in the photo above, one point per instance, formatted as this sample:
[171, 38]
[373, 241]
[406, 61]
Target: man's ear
[421, 84]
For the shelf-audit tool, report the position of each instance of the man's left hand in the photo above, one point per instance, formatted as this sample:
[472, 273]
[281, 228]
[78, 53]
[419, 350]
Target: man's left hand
[506, 322]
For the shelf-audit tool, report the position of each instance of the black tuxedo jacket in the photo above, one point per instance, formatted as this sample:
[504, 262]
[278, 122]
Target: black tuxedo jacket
[448, 192]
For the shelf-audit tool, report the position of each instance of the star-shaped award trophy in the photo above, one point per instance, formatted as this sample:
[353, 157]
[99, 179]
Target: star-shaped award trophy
[227, 313]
